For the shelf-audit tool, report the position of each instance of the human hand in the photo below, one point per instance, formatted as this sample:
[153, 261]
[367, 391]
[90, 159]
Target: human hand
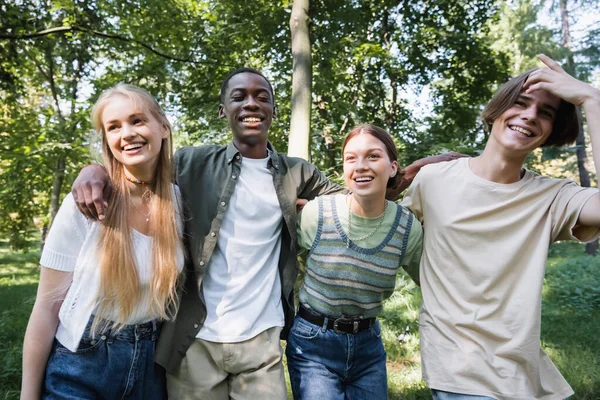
[91, 191]
[411, 171]
[300, 203]
[557, 81]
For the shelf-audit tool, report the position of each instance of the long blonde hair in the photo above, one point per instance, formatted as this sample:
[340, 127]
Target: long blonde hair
[119, 279]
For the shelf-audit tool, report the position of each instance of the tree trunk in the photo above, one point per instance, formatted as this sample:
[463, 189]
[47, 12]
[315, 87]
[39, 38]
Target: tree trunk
[59, 177]
[584, 175]
[301, 81]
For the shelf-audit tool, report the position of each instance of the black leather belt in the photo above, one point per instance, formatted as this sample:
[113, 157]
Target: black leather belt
[339, 325]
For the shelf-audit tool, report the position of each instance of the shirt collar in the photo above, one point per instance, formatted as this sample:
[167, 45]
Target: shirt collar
[234, 154]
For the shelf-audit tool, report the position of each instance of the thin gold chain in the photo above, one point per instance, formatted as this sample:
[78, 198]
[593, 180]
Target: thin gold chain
[146, 197]
[368, 235]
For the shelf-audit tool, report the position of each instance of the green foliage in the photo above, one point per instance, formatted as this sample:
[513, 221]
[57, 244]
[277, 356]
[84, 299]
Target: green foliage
[573, 284]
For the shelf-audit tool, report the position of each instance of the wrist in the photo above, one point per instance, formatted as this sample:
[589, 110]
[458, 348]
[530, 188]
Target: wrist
[592, 100]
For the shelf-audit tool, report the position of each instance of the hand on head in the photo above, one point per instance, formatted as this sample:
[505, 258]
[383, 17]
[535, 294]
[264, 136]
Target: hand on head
[557, 81]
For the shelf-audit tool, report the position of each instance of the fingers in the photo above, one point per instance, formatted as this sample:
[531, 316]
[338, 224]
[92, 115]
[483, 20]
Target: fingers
[98, 191]
[454, 155]
[550, 63]
[91, 191]
[536, 86]
[300, 203]
[79, 197]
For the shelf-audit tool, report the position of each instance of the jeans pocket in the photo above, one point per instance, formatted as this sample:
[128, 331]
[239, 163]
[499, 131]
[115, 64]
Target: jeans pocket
[376, 329]
[304, 329]
[86, 345]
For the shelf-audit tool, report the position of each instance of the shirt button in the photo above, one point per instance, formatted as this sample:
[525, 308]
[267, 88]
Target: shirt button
[195, 326]
[103, 337]
[202, 263]
[213, 234]
[237, 157]
[233, 176]
[223, 204]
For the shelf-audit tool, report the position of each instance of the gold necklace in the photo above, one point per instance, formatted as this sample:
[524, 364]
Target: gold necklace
[146, 197]
[368, 235]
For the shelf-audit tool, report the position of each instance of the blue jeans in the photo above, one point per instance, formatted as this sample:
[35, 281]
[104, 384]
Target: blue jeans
[112, 365]
[326, 365]
[441, 395]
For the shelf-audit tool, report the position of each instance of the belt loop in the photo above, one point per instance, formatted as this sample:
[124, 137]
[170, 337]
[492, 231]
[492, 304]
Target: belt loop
[324, 327]
[110, 334]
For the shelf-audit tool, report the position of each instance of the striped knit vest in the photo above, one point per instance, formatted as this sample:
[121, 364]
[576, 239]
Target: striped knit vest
[349, 280]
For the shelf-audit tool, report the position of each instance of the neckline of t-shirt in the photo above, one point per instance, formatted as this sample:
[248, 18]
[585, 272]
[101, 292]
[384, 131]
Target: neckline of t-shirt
[368, 221]
[256, 162]
[140, 234]
[508, 186]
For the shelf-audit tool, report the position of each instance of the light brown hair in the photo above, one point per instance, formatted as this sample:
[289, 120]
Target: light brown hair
[566, 123]
[119, 282]
[390, 147]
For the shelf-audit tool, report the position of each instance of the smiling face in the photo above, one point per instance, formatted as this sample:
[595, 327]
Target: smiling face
[528, 123]
[249, 108]
[367, 166]
[133, 135]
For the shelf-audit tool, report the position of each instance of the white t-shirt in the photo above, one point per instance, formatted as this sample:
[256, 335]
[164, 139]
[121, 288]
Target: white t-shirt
[71, 246]
[242, 288]
[484, 255]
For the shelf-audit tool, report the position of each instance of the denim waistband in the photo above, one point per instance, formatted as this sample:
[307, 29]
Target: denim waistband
[146, 331]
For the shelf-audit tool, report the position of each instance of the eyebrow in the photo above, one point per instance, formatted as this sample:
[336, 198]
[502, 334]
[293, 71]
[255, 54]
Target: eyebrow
[245, 90]
[545, 105]
[138, 114]
[367, 150]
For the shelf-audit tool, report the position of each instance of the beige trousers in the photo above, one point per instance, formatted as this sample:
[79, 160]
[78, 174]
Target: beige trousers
[250, 370]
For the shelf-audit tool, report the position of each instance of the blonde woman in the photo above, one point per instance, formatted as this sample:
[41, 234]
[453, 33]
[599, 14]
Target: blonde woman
[105, 286]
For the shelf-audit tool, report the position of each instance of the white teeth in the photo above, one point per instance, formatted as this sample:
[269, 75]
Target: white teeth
[364, 179]
[523, 131]
[251, 119]
[133, 146]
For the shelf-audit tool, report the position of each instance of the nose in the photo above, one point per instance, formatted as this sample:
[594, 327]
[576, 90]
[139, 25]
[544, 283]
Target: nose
[530, 113]
[251, 103]
[360, 164]
[127, 131]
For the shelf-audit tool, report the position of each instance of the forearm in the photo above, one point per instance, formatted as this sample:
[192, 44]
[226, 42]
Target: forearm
[36, 349]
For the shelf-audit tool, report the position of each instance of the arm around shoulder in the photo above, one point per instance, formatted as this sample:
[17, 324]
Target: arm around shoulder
[312, 182]
[91, 191]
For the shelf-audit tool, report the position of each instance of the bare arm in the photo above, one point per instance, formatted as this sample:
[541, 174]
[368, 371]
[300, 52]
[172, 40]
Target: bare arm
[91, 191]
[555, 80]
[41, 330]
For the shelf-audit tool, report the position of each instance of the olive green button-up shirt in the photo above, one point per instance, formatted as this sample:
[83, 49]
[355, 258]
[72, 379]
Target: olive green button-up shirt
[207, 176]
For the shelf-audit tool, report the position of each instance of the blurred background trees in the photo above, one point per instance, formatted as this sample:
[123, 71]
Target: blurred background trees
[421, 69]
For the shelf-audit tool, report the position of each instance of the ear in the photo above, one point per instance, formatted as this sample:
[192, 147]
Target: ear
[274, 112]
[221, 111]
[394, 169]
[166, 132]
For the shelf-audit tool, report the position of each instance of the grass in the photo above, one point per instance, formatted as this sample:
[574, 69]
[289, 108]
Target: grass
[570, 322]
[19, 274]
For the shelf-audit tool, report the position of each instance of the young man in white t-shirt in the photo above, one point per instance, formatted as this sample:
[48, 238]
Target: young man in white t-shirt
[488, 223]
